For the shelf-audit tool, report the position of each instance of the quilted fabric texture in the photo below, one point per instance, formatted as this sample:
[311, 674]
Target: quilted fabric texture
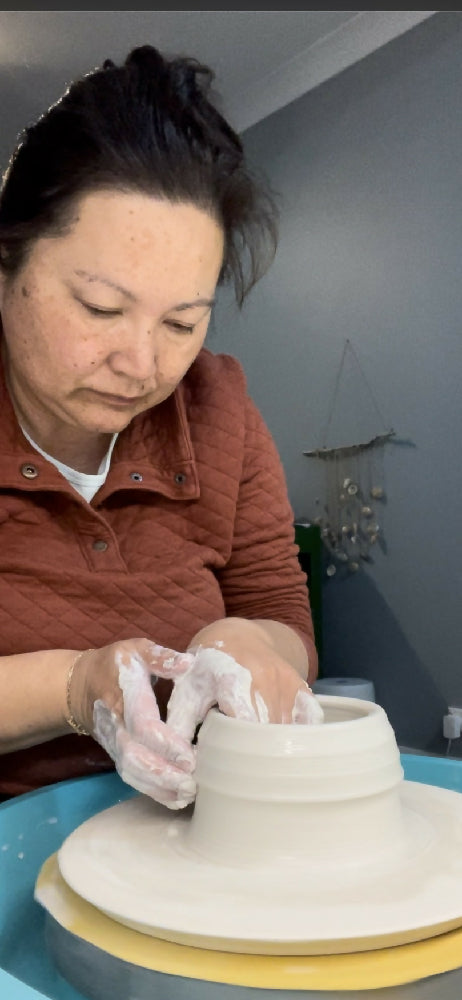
[192, 524]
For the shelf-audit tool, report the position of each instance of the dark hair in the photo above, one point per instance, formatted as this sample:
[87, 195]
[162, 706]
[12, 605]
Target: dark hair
[149, 126]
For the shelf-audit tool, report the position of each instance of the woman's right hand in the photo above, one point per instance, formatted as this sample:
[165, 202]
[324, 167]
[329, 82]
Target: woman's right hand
[112, 697]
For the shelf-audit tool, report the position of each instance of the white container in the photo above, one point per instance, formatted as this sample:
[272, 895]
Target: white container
[345, 687]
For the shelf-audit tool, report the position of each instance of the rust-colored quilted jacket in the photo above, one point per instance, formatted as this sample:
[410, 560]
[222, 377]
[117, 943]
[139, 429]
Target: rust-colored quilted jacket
[192, 524]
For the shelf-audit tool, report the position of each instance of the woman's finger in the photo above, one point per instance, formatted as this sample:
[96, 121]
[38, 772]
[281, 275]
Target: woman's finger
[152, 775]
[165, 662]
[214, 679]
[306, 708]
[139, 766]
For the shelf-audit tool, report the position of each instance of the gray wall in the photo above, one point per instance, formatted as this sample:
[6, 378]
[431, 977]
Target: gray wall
[368, 167]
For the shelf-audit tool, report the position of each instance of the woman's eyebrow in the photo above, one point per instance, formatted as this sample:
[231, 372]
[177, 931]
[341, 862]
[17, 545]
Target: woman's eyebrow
[105, 281]
[209, 303]
[197, 302]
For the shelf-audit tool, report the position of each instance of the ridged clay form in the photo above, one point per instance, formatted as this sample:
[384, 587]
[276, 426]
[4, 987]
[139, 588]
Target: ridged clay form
[302, 840]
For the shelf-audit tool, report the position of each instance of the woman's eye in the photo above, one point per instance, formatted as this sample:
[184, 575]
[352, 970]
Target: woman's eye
[180, 328]
[97, 311]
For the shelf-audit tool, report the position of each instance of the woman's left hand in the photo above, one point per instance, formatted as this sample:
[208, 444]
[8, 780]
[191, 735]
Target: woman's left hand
[237, 668]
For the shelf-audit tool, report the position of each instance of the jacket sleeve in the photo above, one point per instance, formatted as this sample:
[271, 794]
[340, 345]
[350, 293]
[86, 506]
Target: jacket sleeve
[263, 577]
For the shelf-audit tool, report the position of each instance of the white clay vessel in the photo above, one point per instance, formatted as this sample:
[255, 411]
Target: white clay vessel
[302, 840]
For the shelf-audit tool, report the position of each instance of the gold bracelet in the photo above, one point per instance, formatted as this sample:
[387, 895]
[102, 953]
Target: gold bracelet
[70, 717]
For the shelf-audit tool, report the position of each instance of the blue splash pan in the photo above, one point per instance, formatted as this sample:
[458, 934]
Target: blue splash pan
[34, 826]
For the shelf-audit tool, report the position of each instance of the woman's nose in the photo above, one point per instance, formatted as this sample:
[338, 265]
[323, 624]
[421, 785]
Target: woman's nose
[136, 357]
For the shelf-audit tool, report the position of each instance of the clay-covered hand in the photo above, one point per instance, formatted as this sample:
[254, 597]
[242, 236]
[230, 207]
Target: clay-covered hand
[114, 689]
[259, 687]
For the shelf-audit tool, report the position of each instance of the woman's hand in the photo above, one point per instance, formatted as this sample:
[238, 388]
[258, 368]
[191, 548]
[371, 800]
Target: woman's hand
[234, 663]
[238, 668]
[113, 697]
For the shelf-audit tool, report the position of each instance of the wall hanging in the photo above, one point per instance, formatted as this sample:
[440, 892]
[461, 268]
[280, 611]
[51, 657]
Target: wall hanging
[350, 514]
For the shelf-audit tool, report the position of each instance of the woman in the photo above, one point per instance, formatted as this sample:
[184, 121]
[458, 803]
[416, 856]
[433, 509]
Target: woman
[145, 527]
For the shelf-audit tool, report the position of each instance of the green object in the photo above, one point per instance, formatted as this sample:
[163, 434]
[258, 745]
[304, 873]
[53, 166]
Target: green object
[308, 539]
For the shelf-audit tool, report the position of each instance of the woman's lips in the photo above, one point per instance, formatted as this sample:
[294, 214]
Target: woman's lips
[121, 401]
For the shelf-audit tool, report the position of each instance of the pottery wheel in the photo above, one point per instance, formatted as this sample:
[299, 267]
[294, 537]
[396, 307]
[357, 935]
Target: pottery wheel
[133, 862]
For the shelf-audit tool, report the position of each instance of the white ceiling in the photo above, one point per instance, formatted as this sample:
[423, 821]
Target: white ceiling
[262, 59]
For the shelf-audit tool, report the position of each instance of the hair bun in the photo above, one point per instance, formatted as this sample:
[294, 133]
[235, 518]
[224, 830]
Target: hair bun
[181, 76]
[147, 59]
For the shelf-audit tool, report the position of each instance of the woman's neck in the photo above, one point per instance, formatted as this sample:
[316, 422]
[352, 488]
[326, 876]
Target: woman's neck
[82, 456]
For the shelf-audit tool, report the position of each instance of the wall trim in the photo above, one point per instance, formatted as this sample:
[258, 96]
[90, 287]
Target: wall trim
[365, 32]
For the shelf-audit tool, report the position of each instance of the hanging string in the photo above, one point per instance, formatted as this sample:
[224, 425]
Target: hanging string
[348, 347]
[323, 441]
[371, 394]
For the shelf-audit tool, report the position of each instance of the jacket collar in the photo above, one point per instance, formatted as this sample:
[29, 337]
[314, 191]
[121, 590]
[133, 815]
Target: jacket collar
[156, 453]
[153, 453]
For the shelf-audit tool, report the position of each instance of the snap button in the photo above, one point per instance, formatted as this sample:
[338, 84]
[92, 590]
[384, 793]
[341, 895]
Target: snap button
[180, 478]
[136, 476]
[29, 471]
[100, 545]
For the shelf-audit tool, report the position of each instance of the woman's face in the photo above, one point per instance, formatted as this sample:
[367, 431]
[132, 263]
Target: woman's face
[103, 322]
